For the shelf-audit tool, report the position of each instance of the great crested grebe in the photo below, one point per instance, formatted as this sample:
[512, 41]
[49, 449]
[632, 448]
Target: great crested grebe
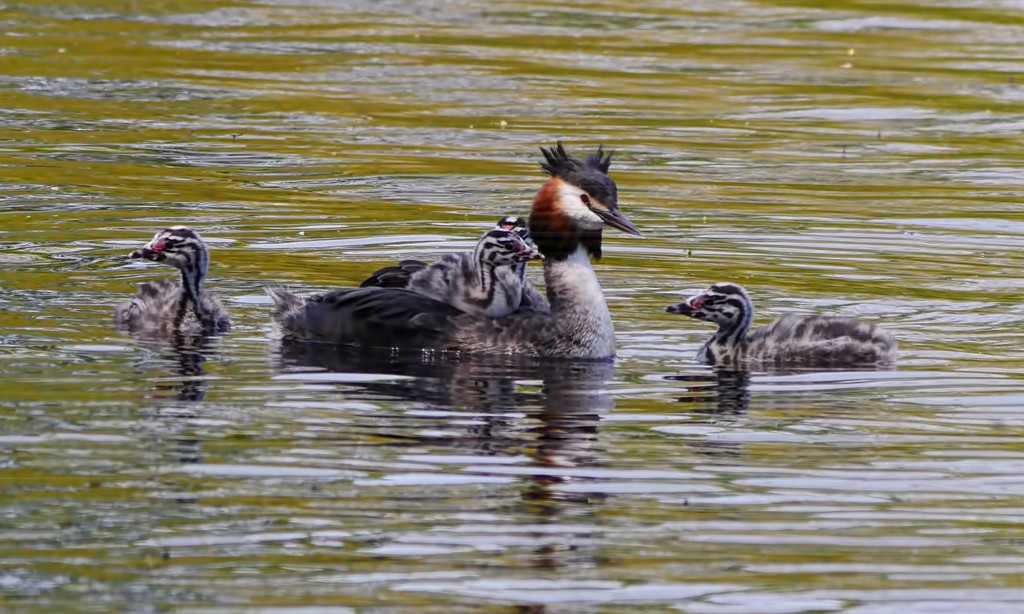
[165, 306]
[568, 214]
[808, 341]
[511, 281]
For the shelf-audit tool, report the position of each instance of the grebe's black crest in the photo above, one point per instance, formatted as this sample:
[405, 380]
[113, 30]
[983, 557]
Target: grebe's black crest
[571, 209]
[580, 173]
[600, 160]
[558, 162]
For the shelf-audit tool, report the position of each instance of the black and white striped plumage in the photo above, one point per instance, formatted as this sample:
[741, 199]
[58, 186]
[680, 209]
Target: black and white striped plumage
[796, 341]
[509, 278]
[517, 225]
[531, 299]
[471, 282]
[165, 306]
[568, 214]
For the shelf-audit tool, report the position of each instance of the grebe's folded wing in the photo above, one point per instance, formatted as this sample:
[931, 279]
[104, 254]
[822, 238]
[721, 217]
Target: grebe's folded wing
[396, 276]
[382, 317]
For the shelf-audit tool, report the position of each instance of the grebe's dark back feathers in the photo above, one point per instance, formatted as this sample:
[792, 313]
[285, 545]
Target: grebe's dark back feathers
[396, 276]
[382, 317]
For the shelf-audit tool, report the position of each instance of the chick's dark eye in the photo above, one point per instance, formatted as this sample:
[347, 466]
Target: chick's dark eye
[585, 199]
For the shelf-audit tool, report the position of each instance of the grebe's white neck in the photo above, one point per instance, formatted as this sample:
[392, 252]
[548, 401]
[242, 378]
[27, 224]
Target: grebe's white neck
[577, 302]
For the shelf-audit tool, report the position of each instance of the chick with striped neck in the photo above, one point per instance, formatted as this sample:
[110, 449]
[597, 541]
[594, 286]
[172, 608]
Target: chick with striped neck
[165, 306]
[796, 341]
[517, 226]
[511, 278]
[516, 275]
[472, 284]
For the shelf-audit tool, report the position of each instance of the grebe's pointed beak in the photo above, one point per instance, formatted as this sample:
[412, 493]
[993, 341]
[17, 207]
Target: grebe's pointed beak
[684, 308]
[150, 251]
[689, 307]
[615, 219]
[525, 253]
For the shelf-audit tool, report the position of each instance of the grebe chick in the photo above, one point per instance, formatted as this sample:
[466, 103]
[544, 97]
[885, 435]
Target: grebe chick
[809, 341]
[166, 306]
[568, 214]
[471, 283]
[511, 280]
[531, 298]
[398, 276]
[517, 225]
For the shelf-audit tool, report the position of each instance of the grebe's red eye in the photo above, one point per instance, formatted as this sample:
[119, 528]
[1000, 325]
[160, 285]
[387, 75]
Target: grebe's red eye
[585, 199]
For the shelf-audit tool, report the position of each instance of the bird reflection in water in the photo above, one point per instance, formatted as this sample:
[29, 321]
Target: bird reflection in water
[185, 354]
[717, 395]
[573, 401]
[565, 398]
[727, 391]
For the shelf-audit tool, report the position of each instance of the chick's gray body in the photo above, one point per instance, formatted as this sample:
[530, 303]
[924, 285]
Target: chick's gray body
[156, 304]
[810, 341]
[454, 279]
[790, 341]
[482, 282]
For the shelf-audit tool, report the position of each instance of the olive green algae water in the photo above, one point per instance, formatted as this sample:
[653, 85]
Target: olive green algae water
[856, 158]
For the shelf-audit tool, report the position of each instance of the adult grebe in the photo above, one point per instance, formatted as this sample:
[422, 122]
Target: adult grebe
[568, 214]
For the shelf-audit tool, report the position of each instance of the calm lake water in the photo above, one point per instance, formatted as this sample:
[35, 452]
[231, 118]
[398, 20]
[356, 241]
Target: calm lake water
[860, 158]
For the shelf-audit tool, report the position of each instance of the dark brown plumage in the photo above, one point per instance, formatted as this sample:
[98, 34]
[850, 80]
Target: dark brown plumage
[396, 276]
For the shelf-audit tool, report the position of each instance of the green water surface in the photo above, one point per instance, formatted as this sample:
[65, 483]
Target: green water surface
[859, 158]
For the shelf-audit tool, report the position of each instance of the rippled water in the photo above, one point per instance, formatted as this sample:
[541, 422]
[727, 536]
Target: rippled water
[861, 161]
